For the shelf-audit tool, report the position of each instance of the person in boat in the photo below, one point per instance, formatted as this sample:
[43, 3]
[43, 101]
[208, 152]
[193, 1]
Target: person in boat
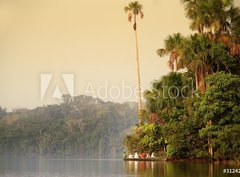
[148, 155]
[130, 156]
[153, 155]
[124, 155]
[136, 156]
[143, 155]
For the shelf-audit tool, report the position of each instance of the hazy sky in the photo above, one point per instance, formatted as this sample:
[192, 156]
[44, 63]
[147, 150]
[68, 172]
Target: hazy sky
[90, 39]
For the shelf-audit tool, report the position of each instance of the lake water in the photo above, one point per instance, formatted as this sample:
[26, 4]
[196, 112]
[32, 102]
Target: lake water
[45, 167]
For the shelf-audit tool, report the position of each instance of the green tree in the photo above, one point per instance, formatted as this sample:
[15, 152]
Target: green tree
[220, 105]
[167, 94]
[208, 16]
[3, 112]
[150, 139]
[195, 53]
[171, 47]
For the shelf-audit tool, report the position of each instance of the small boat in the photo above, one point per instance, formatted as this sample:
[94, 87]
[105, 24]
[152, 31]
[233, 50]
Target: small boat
[142, 159]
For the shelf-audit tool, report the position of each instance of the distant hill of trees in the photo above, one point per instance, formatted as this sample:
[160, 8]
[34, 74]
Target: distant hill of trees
[81, 126]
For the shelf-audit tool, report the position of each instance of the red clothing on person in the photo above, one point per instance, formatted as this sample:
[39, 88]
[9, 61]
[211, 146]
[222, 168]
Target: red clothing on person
[143, 155]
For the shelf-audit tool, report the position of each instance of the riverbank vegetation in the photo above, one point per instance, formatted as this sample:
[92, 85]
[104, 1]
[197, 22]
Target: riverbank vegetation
[82, 127]
[194, 111]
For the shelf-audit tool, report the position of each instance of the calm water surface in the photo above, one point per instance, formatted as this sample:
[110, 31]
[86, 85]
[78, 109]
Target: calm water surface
[45, 167]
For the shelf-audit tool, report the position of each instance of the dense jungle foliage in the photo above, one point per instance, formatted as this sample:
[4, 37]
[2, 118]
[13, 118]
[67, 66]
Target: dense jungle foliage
[194, 111]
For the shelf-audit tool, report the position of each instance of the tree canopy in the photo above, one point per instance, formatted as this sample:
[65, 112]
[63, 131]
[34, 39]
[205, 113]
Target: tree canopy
[81, 126]
[196, 110]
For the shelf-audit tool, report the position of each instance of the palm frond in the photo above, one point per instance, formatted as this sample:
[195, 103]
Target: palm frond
[130, 15]
[141, 14]
[161, 52]
[235, 49]
[126, 9]
[171, 65]
[134, 7]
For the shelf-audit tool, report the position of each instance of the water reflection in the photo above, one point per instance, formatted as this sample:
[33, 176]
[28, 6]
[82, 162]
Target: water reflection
[174, 169]
[142, 168]
[65, 167]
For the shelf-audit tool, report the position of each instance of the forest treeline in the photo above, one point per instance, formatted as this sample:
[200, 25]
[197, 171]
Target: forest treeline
[194, 111]
[82, 126]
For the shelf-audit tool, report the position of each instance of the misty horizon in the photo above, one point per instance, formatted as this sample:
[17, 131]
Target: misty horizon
[37, 38]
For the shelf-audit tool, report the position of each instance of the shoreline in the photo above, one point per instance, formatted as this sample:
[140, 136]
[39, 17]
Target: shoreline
[194, 160]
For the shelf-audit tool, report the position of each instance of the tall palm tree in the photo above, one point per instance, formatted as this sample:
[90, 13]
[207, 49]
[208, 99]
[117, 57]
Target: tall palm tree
[171, 45]
[195, 52]
[134, 9]
[191, 53]
[208, 15]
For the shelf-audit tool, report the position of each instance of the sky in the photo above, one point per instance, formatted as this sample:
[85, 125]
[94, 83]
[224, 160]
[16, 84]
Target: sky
[89, 42]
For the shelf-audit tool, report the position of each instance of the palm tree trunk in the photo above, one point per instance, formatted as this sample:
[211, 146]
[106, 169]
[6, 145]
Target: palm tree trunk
[200, 84]
[196, 80]
[138, 74]
[202, 88]
[201, 81]
[175, 65]
[218, 67]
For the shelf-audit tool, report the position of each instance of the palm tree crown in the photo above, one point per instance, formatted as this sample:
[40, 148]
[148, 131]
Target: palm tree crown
[208, 15]
[133, 9]
[171, 45]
